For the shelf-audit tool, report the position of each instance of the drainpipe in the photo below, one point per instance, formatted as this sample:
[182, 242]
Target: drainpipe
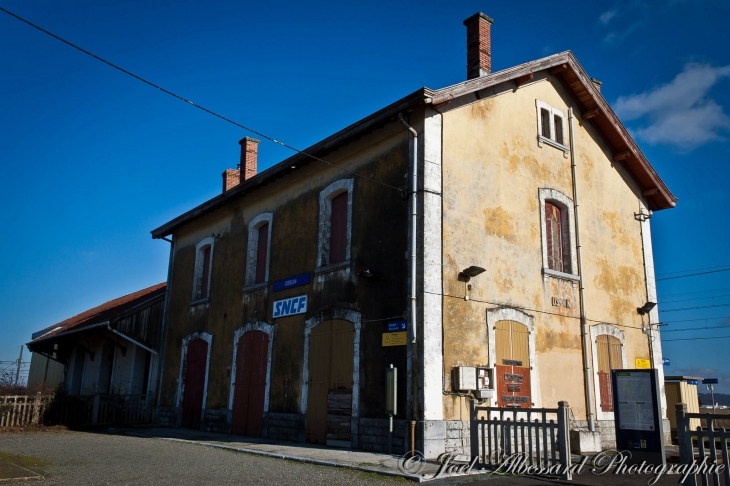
[165, 317]
[414, 170]
[581, 287]
[414, 221]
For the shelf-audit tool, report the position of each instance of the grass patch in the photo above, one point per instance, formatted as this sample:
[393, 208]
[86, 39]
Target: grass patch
[28, 462]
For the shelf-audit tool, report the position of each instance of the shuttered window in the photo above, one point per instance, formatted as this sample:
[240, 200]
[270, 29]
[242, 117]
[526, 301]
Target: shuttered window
[262, 253]
[545, 122]
[205, 276]
[554, 234]
[559, 129]
[338, 229]
[608, 349]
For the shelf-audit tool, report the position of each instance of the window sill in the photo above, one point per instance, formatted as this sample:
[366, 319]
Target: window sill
[552, 143]
[251, 288]
[332, 267]
[199, 301]
[547, 272]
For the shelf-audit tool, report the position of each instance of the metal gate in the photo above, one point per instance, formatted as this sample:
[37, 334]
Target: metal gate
[250, 385]
[540, 435]
[712, 444]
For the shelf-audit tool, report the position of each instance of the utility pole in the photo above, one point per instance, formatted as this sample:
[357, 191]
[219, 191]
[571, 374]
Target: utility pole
[20, 360]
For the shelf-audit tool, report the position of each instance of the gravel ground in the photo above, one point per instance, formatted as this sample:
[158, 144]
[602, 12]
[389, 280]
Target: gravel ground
[72, 458]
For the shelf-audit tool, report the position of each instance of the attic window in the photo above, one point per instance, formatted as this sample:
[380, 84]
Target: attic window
[203, 260]
[551, 127]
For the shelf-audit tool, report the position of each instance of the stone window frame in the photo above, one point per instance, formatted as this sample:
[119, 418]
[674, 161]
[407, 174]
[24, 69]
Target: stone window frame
[325, 217]
[595, 331]
[198, 273]
[565, 204]
[551, 140]
[208, 338]
[264, 327]
[498, 314]
[252, 250]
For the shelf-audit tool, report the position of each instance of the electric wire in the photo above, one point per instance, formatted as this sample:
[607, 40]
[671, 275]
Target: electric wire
[694, 308]
[694, 274]
[195, 105]
[696, 328]
[694, 298]
[692, 270]
[696, 292]
[695, 339]
[697, 319]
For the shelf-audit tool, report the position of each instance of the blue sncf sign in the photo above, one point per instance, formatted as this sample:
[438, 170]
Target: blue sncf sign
[290, 307]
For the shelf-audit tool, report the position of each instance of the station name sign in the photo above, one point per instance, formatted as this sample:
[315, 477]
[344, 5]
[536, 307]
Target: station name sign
[290, 307]
[295, 281]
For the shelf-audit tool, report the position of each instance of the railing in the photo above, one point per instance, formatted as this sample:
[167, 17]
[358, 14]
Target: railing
[712, 444]
[539, 435]
[22, 410]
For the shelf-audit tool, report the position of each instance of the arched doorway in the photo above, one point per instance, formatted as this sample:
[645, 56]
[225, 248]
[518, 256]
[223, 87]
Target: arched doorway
[196, 367]
[249, 387]
[512, 364]
[330, 382]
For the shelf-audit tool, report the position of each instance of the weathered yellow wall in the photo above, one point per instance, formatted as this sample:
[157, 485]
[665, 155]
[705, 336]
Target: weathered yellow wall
[492, 170]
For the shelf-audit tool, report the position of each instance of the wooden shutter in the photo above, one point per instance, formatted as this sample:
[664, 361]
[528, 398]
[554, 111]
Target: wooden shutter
[559, 129]
[608, 349]
[554, 237]
[338, 229]
[512, 364]
[262, 253]
[206, 273]
[545, 122]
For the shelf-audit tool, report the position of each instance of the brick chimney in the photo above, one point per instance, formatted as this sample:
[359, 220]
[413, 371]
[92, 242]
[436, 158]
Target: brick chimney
[596, 83]
[249, 157]
[231, 178]
[478, 45]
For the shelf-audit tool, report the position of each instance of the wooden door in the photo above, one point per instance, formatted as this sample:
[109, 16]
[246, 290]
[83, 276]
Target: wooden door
[250, 384]
[331, 354]
[512, 365]
[195, 368]
[608, 349]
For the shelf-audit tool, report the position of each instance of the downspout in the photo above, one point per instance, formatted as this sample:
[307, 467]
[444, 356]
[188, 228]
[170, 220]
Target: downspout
[414, 221]
[581, 287]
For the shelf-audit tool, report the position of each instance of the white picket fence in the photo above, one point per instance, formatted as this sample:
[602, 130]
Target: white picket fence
[19, 410]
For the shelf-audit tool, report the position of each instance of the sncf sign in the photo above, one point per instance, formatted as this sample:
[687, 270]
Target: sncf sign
[290, 307]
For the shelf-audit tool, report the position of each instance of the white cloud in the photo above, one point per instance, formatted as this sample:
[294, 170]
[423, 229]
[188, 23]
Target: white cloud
[679, 113]
[606, 16]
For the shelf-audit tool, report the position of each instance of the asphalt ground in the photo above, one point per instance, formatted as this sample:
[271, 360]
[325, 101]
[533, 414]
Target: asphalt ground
[80, 458]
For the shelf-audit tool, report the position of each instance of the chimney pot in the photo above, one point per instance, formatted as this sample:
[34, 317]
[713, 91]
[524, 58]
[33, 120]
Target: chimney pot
[478, 45]
[597, 83]
[249, 157]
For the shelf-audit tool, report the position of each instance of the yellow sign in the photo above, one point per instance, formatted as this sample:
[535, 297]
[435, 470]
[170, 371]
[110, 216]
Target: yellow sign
[643, 364]
[395, 338]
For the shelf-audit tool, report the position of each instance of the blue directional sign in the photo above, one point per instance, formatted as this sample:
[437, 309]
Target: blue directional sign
[691, 382]
[396, 326]
[709, 381]
[290, 307]
[296, 281]
[665, 361]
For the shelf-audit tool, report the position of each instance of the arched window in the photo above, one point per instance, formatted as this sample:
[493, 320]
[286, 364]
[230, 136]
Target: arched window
[259, 249]
[335, 223]
[203, 265]
[608, 354]
[558, 235]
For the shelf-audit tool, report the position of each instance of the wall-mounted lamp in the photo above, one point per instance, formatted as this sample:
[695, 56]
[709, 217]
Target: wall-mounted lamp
[646, 308]
[466, 274]
[367, 274]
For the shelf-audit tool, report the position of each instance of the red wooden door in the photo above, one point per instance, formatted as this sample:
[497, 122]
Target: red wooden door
[195, 367]
[249, 391]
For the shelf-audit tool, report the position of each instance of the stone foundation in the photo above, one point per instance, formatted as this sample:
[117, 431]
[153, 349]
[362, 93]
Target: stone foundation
[373, 435]
[284, 426]
[166, 416]
[216, 421]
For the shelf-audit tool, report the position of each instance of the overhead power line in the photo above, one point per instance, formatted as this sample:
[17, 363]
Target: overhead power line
[694, 298]
[696, 328]
[692, 270]
[694, 274]
[697, 319]
[695, 339]
[695, 292]
[195, 105]
[694, 308]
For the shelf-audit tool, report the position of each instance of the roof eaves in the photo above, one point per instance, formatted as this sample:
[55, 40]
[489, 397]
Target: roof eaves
[284, 167]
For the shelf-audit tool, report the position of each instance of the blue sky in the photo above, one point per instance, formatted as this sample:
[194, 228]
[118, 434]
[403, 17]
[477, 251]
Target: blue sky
[93, 160]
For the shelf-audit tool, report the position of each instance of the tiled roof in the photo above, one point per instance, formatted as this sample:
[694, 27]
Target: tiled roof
[107, 311]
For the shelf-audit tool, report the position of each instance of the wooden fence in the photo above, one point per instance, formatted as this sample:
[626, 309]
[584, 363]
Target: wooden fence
[22, 410]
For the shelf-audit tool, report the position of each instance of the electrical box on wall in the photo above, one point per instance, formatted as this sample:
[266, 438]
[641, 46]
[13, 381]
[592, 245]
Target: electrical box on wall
[465, 378]
[485, 383]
